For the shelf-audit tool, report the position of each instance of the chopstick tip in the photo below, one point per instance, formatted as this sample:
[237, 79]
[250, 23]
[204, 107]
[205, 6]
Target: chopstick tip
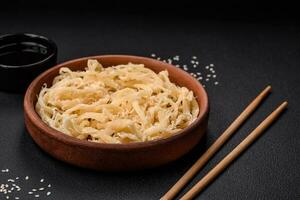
[285, 104]
[269, 88]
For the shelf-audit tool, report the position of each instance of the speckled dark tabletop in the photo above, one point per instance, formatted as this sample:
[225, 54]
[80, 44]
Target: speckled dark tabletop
[246, 58]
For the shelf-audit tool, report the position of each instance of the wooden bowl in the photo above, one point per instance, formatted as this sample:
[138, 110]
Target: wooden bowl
[115, 157]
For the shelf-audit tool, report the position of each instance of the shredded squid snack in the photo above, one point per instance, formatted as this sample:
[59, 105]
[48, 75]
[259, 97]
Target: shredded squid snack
[118, 104]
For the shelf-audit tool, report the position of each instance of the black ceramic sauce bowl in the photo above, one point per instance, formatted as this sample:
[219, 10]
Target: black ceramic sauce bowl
[22, 58]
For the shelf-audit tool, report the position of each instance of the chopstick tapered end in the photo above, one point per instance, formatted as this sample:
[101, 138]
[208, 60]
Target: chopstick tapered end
[284, 104]
[268, 88]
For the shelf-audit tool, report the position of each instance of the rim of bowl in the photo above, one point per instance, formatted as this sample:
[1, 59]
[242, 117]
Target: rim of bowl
[29, 110]
[51, 44]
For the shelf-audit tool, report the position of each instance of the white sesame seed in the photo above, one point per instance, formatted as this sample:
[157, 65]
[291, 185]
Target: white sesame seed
[208, 75]
[27, 177]
[176, 58]
[216, 83]
[17, 178]
[198, 73]
[7, 197]
[10, 180]
[203, 86]
[169, 61]
[18, 189]
[177, 65]
[206, 67]
[194, 57]
[48, 193]
[36, 195]
[17, 198]
[41, 189]
[214, 76]
[192, 61]
[211, 65]
[194, 66]
[207, 79]
[199, 78]
[153, 55]
[34, 190]
[158, 58]
[7, 170]
[49, 185]
[3, 170]
[30, 192]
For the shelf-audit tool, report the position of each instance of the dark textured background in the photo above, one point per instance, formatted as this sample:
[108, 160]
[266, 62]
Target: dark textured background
[249, 52]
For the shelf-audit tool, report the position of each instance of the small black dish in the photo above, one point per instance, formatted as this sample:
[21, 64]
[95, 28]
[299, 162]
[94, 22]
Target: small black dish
[23, 56]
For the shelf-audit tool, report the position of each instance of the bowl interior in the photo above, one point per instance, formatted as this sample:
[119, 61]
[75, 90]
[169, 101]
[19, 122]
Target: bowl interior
[23, 50]
[176, 75]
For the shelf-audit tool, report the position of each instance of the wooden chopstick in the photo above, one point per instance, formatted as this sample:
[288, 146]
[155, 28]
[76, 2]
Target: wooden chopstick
[234, 153]
[216, 145]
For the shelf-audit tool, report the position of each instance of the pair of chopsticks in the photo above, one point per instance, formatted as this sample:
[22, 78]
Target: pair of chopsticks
[221, 166]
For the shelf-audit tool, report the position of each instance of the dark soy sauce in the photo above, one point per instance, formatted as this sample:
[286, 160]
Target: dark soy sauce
[19, 58]
[22, 54]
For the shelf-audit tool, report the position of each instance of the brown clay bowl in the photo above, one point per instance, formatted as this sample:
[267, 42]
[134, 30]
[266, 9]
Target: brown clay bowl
[115, 157]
